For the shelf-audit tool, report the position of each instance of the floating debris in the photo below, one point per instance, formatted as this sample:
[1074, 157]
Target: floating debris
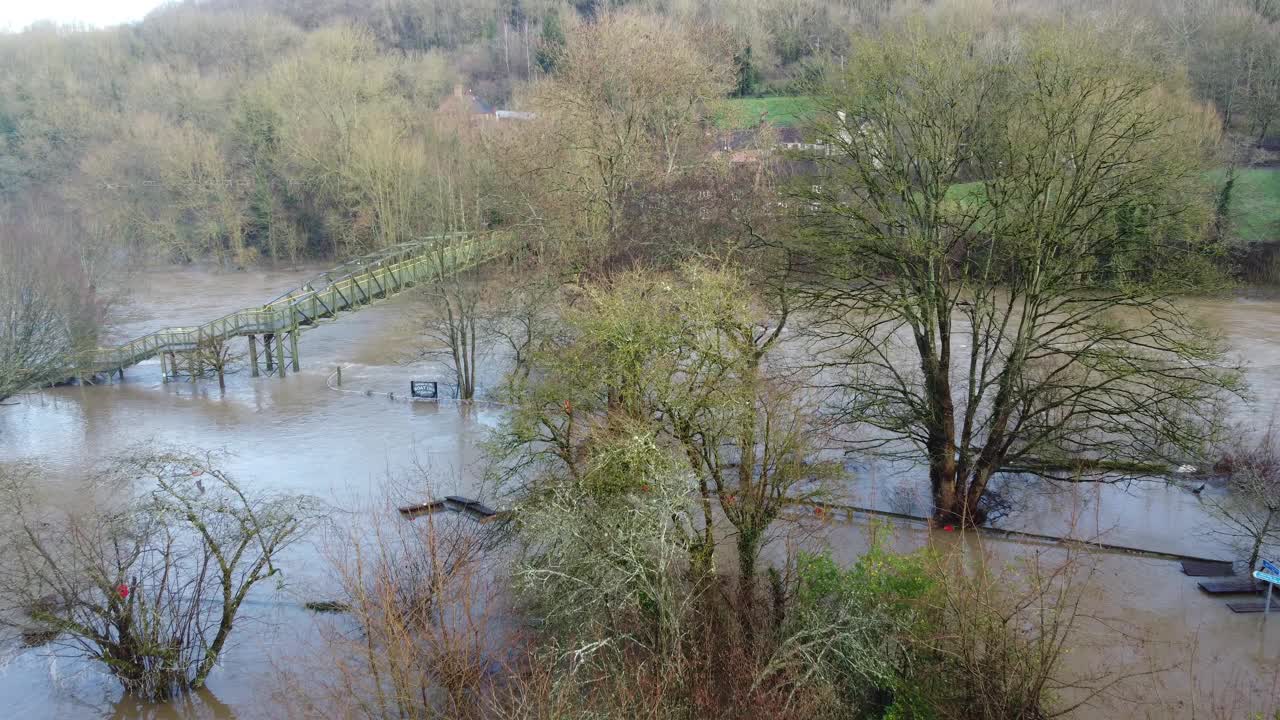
[327, 606]
[38, 637]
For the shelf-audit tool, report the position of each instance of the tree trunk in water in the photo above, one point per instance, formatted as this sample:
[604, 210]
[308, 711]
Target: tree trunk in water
[955, 502]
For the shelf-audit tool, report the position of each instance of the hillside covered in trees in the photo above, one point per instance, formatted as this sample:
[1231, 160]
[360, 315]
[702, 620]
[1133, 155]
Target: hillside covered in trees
[237, 130]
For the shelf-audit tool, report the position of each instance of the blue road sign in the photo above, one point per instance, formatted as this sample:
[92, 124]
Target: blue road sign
[1272, 578]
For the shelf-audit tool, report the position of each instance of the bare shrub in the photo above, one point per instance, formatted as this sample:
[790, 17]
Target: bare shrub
[1249, 515]
[1002, 632]
[941, 633]
[49, 308]
[421, 636]
[148, 576]
[216, 355]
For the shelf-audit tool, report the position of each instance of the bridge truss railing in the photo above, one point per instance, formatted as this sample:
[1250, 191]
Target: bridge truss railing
[368, 278]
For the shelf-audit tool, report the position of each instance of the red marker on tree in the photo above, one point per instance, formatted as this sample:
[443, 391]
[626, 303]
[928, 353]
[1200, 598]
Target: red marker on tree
[122, 591]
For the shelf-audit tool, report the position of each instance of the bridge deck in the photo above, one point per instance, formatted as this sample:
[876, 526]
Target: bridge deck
[346, 288]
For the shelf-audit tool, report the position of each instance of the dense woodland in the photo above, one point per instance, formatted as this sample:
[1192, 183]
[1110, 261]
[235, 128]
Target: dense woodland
[237, 130]
[968, 255]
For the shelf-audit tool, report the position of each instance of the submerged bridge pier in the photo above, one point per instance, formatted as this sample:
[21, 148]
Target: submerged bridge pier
[193, 350]
[274, 353]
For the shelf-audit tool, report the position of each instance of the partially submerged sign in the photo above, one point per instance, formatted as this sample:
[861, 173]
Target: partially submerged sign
[1269, 573]
[424, 390]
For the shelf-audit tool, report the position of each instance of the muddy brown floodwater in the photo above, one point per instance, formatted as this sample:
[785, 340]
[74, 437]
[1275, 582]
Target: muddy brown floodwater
[298, 434]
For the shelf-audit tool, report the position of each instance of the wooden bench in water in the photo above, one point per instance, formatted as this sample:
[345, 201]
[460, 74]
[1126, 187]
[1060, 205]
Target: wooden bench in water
[1207, 569]
[423, 509]
[1233, 586]
[413, 511]
[456, 503]
[475, 508]
[1252, 606]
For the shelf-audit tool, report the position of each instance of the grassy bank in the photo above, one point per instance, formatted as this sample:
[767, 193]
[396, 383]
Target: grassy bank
[1255, 204]
[1255, 200]
[781, 110]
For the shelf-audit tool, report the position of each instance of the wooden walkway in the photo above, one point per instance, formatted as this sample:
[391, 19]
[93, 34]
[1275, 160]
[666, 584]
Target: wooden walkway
[342, 290]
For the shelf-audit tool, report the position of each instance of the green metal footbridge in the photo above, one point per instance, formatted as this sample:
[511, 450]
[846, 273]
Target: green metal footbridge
[344, 289]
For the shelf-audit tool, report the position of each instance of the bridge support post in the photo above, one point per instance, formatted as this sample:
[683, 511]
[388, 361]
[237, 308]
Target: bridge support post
[271, 360]
[164, 368]
[293, 347]
[253, 355]
[280, 356]
[173, 365]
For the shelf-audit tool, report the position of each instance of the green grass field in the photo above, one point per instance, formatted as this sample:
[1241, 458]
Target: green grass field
[1255, 202]
[783, 110]
[1255, 205]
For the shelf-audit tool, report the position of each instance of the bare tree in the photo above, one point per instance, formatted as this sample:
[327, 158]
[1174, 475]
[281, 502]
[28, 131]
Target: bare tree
[35, 347]
[624, 108]
[1249, 515]
[214, 354]
[48, 308]
[997, 240]
[149, 575]
[419, 591]
[456, 327]
[527, 320]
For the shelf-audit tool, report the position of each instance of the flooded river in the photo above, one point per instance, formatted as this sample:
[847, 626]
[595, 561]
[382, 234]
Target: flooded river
[300, 434]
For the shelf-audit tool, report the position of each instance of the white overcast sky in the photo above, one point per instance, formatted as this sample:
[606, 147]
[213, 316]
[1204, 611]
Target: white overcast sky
[18, 14]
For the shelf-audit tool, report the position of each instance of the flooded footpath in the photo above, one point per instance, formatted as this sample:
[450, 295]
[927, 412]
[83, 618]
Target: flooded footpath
[299, 434]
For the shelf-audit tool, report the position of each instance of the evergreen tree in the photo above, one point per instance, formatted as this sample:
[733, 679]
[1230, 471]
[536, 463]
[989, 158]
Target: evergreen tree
[746, 74]
[551, 42]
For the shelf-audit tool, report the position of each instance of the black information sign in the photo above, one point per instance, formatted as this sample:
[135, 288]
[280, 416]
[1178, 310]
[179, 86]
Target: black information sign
[424, 389]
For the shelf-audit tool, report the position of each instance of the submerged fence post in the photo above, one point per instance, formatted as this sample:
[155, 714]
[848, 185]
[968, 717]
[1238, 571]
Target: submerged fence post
[339, 374]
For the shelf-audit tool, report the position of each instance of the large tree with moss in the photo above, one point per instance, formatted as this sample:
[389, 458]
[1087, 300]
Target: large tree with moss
[996, 241]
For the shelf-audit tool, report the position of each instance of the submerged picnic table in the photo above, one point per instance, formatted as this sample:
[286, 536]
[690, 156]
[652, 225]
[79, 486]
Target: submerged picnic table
[1229, 584]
